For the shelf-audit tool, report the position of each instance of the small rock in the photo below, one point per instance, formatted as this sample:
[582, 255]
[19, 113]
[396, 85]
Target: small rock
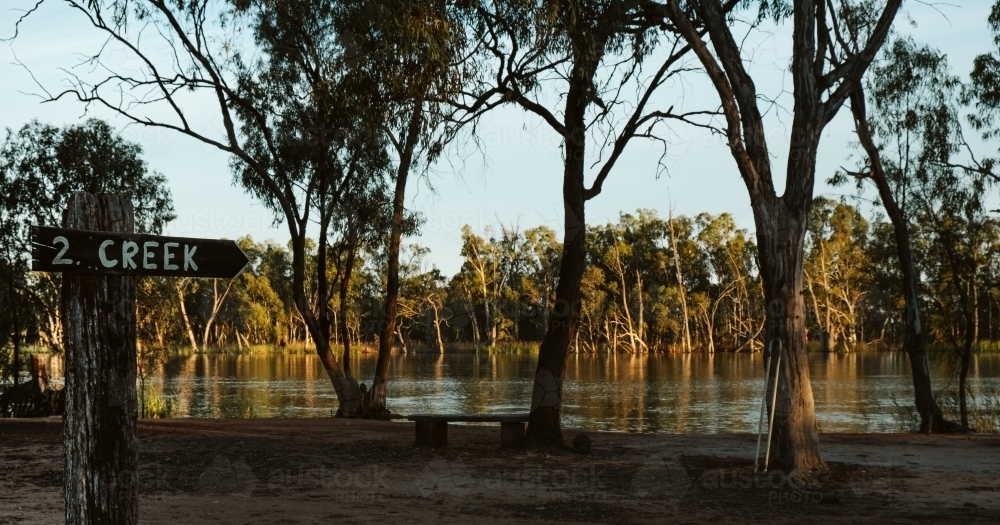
[581, 443]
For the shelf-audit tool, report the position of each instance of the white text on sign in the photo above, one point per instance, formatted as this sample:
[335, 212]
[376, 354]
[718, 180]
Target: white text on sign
[150, 255]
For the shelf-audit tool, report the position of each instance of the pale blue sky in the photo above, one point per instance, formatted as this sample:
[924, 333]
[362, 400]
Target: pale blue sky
[520, 180]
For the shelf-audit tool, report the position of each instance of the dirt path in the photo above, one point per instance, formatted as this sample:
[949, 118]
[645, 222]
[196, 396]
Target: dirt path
[336, 471]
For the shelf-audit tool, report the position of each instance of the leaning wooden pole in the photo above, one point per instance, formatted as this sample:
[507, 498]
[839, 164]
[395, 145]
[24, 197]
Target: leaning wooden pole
[99, 337]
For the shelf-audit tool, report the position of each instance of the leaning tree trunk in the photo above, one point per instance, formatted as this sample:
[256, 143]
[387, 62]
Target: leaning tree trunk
[544, 423]
[914, 343]
[216, 306]
[437, 330]
[349, 394]
[180, 287]
[471, 308]
[374, 404]
[99, 427]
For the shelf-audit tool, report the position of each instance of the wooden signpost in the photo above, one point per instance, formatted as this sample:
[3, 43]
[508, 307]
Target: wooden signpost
[105, 253]
[99, 255]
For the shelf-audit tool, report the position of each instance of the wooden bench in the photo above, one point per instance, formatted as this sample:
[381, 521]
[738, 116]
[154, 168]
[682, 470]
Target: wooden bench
[432, 429]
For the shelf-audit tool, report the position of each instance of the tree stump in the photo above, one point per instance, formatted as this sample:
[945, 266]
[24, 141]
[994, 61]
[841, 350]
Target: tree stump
[99, 337]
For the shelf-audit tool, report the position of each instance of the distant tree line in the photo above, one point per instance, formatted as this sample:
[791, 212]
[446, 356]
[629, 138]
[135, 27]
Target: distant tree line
[652, 284]
[633, 302]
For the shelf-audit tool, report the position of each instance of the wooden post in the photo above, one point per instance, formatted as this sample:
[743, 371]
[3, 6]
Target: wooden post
[511, 434]
[99, 337]
[432, 433]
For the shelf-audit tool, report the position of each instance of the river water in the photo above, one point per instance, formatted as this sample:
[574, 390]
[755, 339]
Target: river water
[674, 393]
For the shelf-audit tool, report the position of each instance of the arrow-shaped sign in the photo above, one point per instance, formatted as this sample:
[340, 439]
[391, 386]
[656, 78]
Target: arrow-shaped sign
[103, 253]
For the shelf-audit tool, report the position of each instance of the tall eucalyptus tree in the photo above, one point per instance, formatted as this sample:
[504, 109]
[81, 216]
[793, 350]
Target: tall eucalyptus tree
[911, 121]
[826, 63]
[301, 108]
[569, 63]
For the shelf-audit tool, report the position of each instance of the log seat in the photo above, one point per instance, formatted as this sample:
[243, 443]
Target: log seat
[432, 429]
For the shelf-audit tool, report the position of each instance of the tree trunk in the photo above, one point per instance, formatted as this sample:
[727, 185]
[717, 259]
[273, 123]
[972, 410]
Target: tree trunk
[17, 341]
[475, 324]
[914, 342]
[544, 424]
[345, 286]
[488, 328]
[437, 329]
[828, 338]
[625, 308]
[975, 306]
[642, 319]
[971, 328]
[780, 235]
[710, 329]
[491, 332]
[180, 286]
[680, 282]
[323, 289]
[99, 430]
[374, 404]
[348, 393]
[824, 336]
[216, 306]
[781, 220]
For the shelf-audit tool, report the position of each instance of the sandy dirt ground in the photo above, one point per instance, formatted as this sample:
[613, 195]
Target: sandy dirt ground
[288, 471]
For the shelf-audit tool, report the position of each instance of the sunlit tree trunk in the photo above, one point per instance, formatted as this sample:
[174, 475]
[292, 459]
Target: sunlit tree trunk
[471, 308]
[780, 234]
[680, 282]
[437, 328]
[217, 302]
[181, 286]
[374, 404]
[642, 309]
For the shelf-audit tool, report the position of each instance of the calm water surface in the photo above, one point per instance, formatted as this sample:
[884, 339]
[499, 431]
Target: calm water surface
[659, 393]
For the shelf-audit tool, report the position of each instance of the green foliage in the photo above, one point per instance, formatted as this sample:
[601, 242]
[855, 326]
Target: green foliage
[41, 166]
[983, 91]
[6, 364]
[837, 270]
[632, 301]
[155, 405]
